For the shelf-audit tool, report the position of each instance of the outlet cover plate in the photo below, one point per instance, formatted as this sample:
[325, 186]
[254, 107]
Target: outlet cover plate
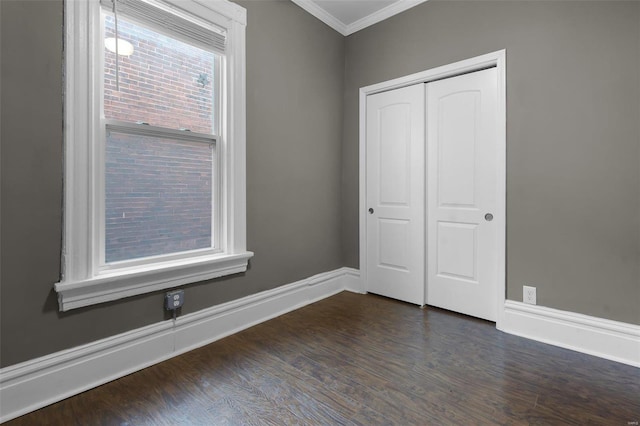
[529, 295]
[174, 300]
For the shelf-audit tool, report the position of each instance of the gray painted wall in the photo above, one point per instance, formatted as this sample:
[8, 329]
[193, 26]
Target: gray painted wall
[573, 141]
[573, 154]
[294, 129]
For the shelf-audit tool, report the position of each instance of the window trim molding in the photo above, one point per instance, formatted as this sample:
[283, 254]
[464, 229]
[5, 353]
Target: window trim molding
[82, 283]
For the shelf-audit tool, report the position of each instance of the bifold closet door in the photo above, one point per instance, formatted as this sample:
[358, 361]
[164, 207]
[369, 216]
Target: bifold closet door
[395, 181]
[462, 193]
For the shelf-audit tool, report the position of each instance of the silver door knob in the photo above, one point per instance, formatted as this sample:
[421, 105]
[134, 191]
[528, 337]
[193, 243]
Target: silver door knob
[488, 217]
[370, 210]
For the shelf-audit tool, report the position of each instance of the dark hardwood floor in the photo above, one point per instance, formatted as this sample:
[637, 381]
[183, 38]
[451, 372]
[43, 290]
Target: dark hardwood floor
[364, 359]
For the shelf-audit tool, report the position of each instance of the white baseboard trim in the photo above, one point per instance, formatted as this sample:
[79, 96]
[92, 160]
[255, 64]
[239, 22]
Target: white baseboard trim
[613, 340]
[353, 282]
[34, 384]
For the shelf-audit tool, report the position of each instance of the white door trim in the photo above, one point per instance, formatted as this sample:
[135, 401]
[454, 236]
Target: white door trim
[494, 59]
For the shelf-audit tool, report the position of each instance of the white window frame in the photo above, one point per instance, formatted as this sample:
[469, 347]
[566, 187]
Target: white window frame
[84, 281]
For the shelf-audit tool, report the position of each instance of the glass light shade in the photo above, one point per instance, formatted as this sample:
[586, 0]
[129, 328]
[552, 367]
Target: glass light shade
[124, 47]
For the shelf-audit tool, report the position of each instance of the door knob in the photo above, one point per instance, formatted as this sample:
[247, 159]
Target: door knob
[488, 217]
[370, 210]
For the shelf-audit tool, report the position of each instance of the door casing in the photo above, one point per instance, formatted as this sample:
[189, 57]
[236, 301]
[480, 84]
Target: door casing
[495, 59]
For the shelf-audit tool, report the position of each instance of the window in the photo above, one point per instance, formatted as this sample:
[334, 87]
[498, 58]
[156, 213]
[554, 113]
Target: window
[154, 147]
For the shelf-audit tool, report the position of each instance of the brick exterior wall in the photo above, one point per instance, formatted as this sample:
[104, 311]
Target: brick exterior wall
[158, 191]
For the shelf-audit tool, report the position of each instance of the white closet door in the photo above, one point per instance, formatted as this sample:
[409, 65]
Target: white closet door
[396, 194]
[462, 193]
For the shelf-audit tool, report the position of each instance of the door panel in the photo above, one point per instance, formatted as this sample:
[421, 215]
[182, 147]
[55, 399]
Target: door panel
[395, 148]
[456, 158]
[458, 250]
[394, 241]
[396, 194]
[462, 188]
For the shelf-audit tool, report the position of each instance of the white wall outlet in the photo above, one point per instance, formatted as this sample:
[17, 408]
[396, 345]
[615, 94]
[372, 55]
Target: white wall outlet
[529, 295]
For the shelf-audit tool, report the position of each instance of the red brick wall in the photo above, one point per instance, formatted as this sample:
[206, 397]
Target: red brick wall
[158, 192]
[159, 83]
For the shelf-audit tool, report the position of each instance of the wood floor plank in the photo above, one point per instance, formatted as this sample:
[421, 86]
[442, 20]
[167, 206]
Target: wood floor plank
[283, 386]
[363, 360]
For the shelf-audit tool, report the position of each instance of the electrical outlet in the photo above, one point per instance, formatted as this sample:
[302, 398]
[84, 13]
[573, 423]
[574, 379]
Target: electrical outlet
[529, 295]
[173, 300]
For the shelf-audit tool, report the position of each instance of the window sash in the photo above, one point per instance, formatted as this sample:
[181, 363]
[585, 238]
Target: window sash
[136, 128]
[218, 81]
[160, 132]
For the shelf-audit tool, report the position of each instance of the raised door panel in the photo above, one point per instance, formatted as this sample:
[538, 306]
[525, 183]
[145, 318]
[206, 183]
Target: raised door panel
[395, 148]
[457, 131]
[394, 243]
[457, 250]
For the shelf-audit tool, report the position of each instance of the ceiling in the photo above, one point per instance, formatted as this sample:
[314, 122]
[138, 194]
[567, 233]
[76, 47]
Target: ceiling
[349, 16]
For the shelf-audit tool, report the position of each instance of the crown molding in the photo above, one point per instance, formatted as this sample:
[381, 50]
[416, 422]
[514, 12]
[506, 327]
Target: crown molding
[393, 9]
[382, 14]
[322, 15]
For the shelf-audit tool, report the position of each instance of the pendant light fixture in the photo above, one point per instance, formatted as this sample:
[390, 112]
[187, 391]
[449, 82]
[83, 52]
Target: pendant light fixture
[118, 45]
[124, 48]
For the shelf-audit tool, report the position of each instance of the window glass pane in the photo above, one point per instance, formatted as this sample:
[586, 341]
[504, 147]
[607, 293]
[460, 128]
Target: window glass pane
[158, 196]
[164, 82]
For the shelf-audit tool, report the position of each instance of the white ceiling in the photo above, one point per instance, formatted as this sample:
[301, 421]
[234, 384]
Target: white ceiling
[349, 16]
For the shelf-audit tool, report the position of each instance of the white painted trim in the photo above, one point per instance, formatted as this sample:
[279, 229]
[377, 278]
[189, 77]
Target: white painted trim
[352, 281]
[501, 202]
[107, 287]
[362, 171]
[382, 14]
[497, 59]
[467, 65]
[613, 340]
[231, 11]
[84, 280]
[31, 385]
[311, 7]
[347, 29]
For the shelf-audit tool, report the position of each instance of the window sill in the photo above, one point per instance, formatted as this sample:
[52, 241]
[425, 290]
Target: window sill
[148, 278]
